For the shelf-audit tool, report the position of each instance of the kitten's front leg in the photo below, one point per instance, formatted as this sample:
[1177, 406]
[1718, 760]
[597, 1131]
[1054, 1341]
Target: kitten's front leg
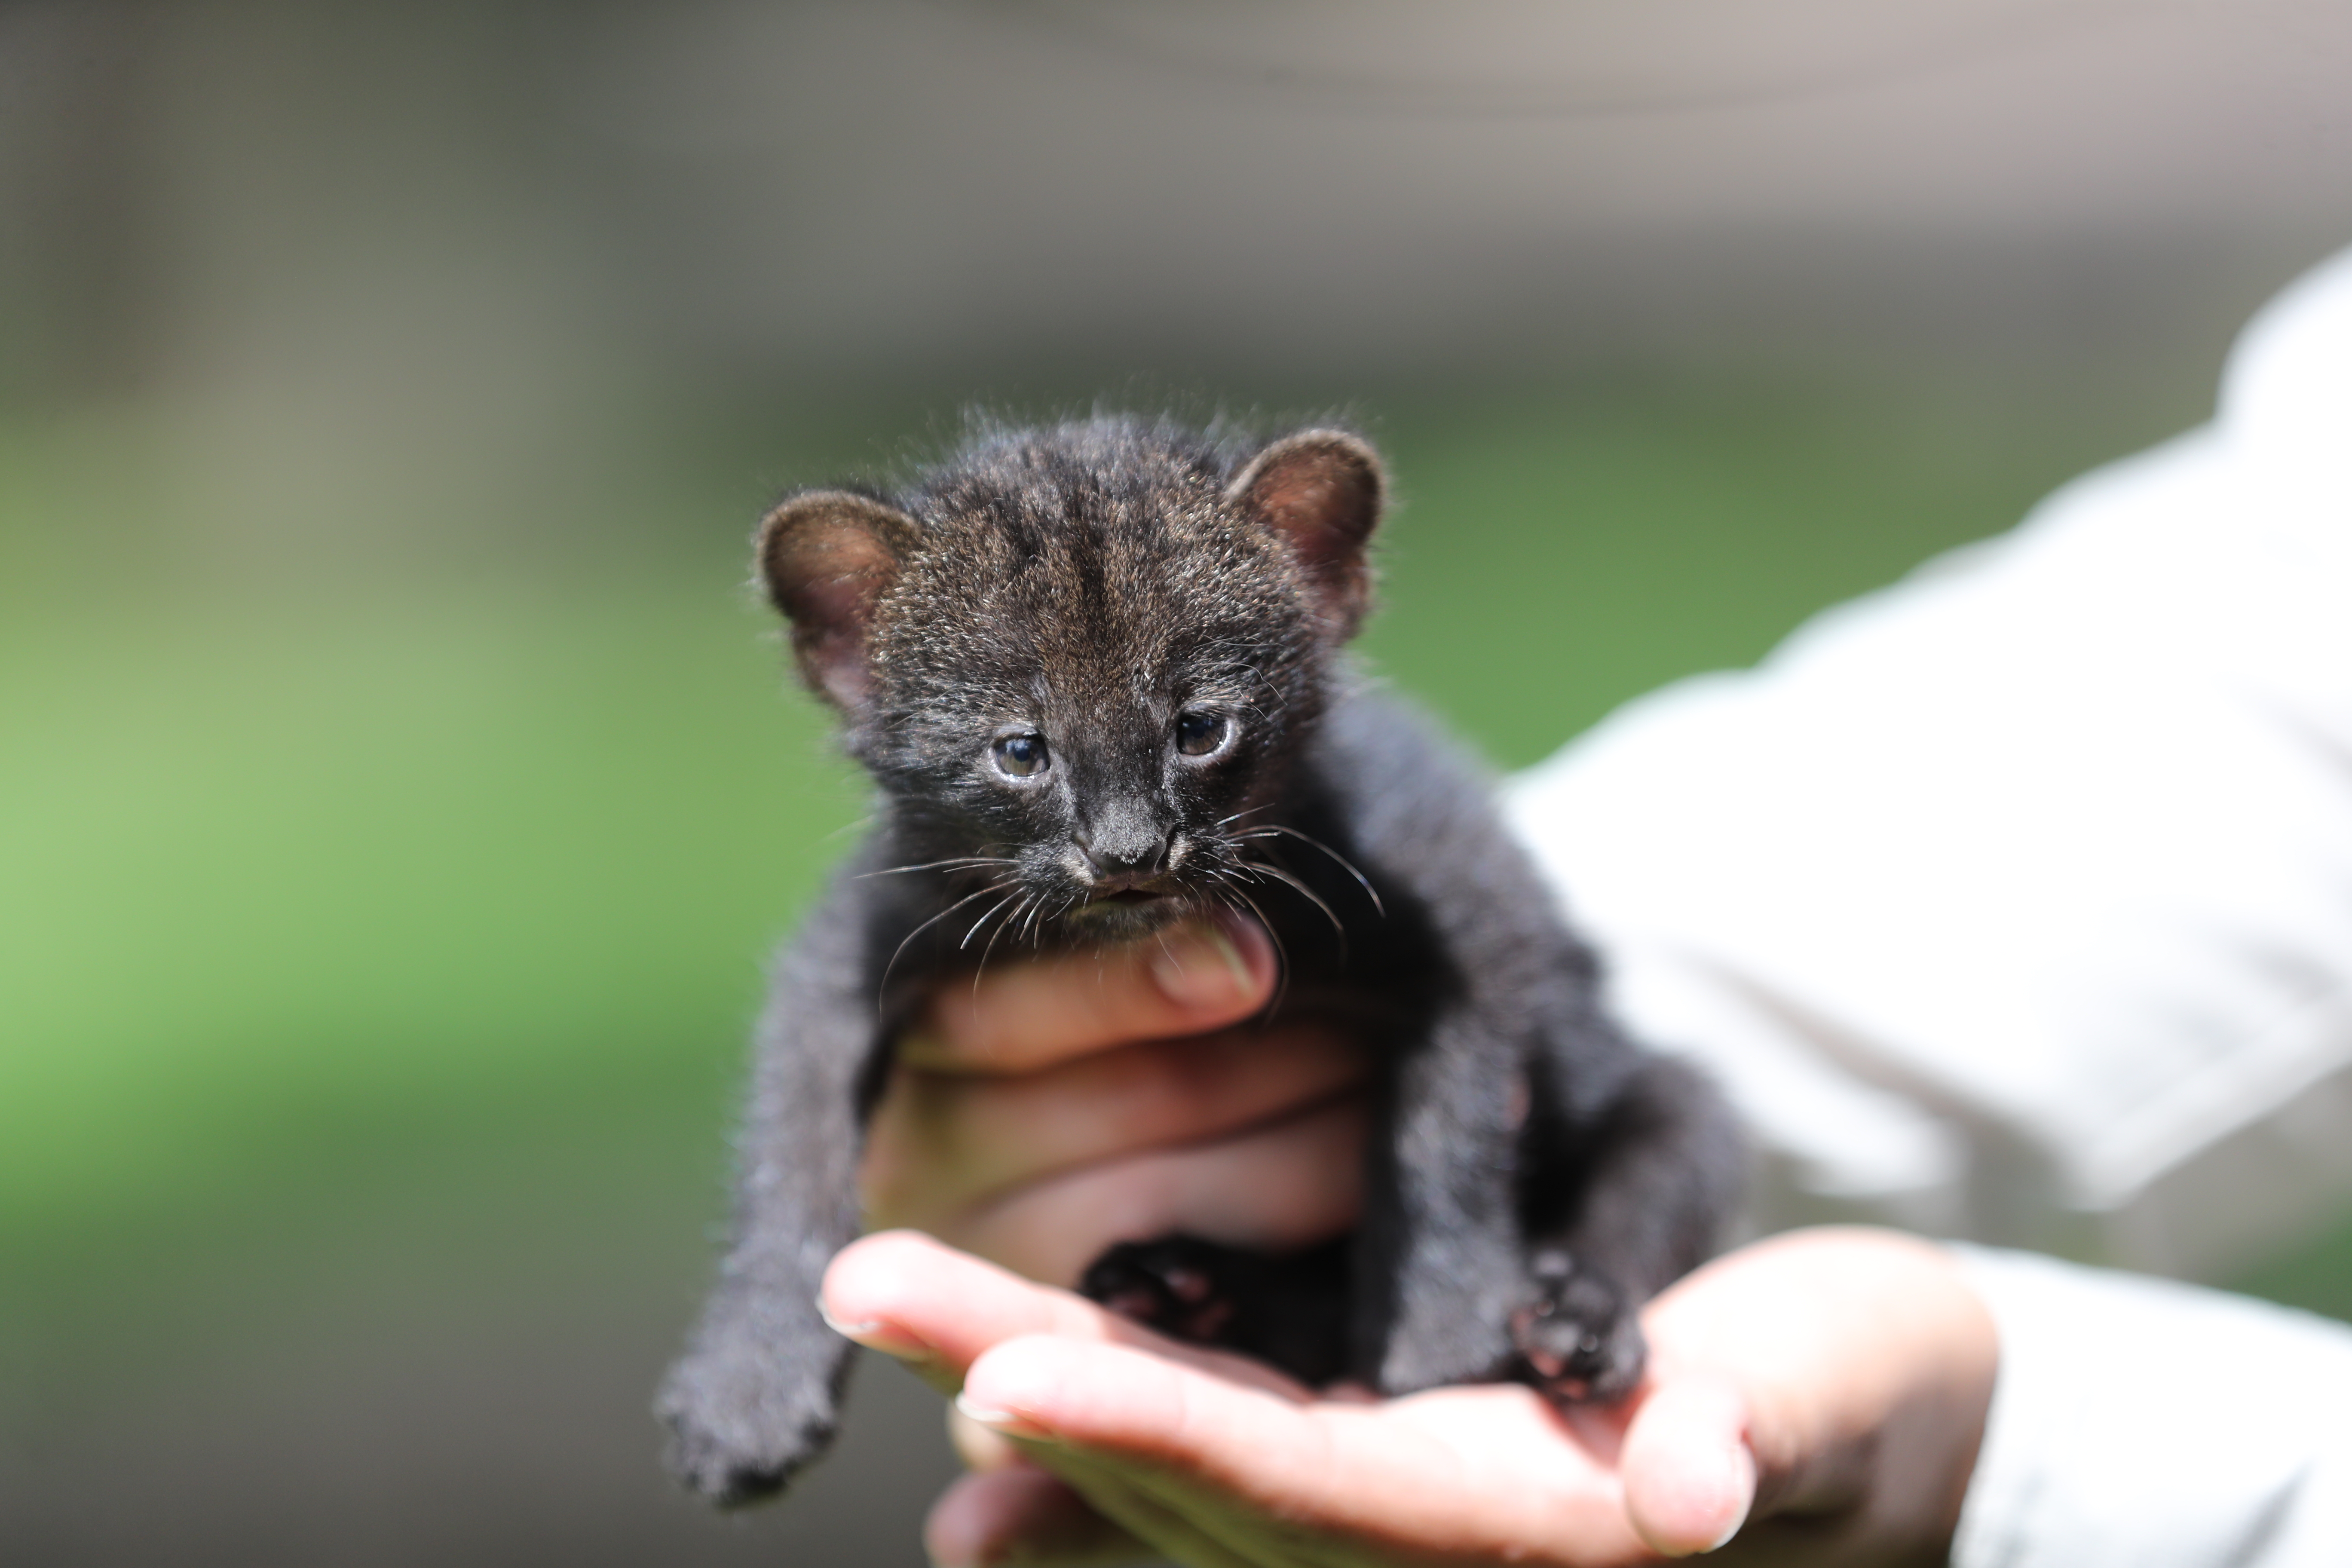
[758, 1392]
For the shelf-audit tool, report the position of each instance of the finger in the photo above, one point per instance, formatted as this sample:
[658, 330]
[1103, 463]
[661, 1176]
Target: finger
[935, 1308]
[1199, 977]
[981, 1449]
[940, 1142]
[1488, 1471]
[1284, 1185]
[1689, 1476]
[1025, 1515]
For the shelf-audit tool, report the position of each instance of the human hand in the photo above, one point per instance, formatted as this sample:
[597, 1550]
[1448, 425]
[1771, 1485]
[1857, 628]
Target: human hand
[1061, 1104]
[1057, 1106]
[1827, 1387]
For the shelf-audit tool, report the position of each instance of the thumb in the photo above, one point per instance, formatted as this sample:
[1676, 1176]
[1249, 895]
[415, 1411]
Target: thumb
[1689, 1476]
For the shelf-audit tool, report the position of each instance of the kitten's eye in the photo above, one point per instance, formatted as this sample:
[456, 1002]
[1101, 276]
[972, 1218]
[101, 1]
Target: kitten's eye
[1198, 734]
[1021, 756]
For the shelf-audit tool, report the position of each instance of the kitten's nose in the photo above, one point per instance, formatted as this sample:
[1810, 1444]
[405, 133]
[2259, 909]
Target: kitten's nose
[1123, 847]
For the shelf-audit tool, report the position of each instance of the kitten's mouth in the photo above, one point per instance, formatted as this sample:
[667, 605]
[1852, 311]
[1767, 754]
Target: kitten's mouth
[1132, 898]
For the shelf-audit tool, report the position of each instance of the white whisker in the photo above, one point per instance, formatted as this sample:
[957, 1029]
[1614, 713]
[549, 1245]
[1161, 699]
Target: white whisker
[1269, 830]
[984, 920]
[958, 863]
[1260, 868]
[1026, 899]
[883, 989]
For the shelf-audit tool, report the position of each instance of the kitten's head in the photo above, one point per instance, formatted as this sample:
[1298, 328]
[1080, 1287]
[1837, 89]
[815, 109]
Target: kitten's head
[1086, 656]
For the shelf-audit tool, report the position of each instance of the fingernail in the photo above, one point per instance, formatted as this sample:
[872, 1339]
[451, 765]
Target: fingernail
[1007, 1422]
[1720, 1541]
[877, 1335]
[1200, 968]
[1740, 1467]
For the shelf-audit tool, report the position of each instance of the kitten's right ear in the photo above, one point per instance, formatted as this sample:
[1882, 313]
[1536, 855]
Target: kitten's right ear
[826, 558]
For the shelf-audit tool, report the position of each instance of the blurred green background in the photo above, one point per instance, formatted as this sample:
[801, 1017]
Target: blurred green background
[399, 791]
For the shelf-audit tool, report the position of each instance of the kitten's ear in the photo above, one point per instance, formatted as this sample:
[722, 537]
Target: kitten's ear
[1322, 491]
[826, 558]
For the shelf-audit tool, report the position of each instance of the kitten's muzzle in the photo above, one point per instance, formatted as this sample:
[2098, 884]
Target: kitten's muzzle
[1133, 885]
[1120, 855]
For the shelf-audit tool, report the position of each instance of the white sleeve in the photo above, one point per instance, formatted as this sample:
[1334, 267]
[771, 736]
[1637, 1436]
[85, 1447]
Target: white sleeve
[2139, 1424]
[2015, 901]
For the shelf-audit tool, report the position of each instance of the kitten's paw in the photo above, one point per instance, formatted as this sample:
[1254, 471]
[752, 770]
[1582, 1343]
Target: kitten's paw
[1287, 1309]
[1578, 1338]
[1175, 1285]
[740, 1427]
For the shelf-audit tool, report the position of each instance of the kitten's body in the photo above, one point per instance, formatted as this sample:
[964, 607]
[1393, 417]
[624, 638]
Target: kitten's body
[1094, 669]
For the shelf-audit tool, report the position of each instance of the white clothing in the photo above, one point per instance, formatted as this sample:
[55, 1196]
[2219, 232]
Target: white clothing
[2140, 1424]
[2014, 902]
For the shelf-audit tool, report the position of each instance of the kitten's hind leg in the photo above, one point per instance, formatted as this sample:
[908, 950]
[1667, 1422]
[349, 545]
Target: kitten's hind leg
[1441, 1258]
[1652, 1184]
[1287, 1309]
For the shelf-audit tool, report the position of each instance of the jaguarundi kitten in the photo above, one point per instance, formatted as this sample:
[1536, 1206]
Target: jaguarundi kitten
[1094, 670]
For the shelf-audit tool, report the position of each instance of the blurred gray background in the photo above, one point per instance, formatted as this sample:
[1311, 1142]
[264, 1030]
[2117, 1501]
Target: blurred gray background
[398, 792]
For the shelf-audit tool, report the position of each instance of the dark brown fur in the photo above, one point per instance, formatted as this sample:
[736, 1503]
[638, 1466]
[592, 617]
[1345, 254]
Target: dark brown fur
[1096, 599]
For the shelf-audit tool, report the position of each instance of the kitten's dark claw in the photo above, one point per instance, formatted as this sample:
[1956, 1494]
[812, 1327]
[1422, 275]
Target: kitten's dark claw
[1172, 1285]
[1576, 1338]
[1287, 1309]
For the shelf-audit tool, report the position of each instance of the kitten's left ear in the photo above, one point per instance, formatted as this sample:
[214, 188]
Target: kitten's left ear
[1322, 491]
